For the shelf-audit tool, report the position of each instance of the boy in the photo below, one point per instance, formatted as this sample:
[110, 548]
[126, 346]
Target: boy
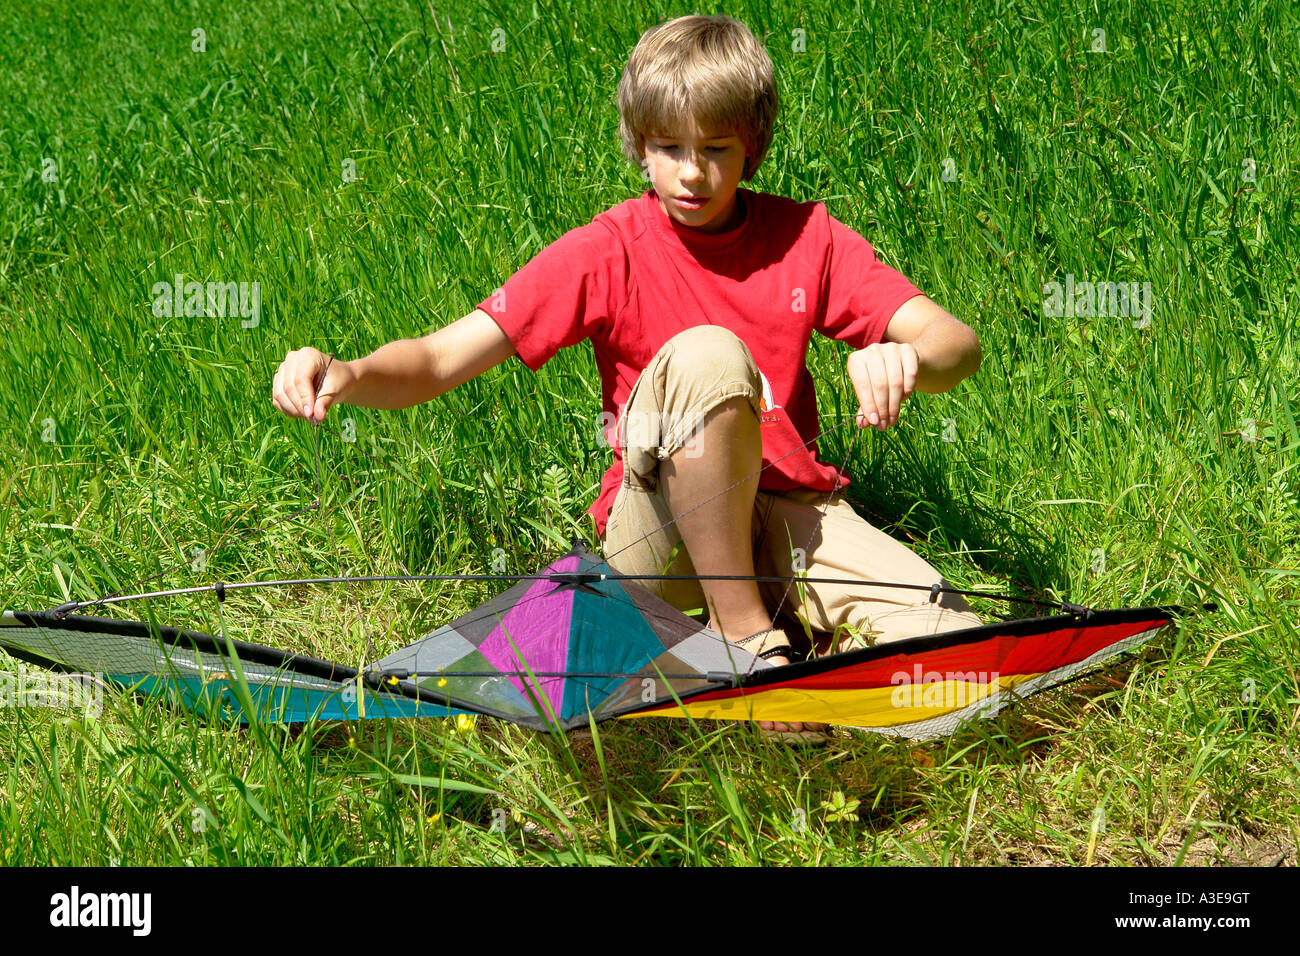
[700, 298]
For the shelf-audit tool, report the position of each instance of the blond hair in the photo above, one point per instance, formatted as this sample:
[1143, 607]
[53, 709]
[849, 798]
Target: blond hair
[710, 68]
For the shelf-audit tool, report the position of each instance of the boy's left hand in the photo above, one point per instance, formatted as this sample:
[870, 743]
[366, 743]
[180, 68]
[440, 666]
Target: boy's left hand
[883, 375]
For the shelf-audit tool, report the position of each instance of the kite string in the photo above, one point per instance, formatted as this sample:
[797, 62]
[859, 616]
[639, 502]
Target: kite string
[318, 504]
[329, 526]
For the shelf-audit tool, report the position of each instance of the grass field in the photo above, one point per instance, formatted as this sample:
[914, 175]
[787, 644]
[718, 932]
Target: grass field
[378, 170]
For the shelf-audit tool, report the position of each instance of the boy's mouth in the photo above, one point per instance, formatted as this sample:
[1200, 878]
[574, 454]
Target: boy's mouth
[692, 202]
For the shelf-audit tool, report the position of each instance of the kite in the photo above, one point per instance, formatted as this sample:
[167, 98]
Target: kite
[578, 642]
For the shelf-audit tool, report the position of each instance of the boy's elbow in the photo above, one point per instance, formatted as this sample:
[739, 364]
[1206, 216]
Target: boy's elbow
[974, 354]
[964, 355]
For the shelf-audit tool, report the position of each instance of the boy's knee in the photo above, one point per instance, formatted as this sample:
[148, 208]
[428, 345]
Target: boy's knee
[713, 353]
[696, 371]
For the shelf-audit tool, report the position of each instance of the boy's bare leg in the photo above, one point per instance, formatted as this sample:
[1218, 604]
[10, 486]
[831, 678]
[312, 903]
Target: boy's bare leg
[718, 534]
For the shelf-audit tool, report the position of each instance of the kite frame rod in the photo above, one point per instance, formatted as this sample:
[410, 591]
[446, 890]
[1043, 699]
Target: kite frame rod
[383, 676]
[564, 577]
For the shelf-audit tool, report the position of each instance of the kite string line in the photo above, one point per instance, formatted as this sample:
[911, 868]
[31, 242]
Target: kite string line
[117, 596]
[567, 577]
[220, 588]
[356, 604]
[317, 504]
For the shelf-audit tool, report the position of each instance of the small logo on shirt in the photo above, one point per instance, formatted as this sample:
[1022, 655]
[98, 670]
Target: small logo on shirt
[767, 403]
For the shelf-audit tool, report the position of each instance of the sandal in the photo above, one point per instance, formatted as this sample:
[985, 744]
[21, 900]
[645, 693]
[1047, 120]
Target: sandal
[766, 649]
[780, 647]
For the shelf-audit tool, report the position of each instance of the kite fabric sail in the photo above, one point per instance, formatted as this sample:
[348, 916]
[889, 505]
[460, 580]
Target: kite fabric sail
[577, 642]
[545, 652]
[196, 670]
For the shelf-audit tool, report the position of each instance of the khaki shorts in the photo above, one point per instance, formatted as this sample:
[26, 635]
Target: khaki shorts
[691, 375]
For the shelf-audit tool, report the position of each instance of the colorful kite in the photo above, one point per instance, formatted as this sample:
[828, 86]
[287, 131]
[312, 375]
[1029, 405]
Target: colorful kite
[578, 642]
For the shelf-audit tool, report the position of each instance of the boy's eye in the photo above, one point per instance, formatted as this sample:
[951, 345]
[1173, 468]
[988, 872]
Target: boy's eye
[712, 149]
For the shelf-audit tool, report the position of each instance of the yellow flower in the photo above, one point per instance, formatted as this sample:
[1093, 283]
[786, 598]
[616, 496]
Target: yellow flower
[436, 817]
[464, 723]
[442, 682]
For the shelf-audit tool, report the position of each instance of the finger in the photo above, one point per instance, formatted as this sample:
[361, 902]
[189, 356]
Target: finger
[879, 389]
[860, 378]
[894, 370]
[281, 397]
[303, 390]
[860, 370]
[277, 392]
[323, 402]
[288, 390]
[329, 388]
[891, 384]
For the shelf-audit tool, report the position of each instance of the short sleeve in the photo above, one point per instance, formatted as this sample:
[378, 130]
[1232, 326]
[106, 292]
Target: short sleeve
[567, 293]
[861, 292]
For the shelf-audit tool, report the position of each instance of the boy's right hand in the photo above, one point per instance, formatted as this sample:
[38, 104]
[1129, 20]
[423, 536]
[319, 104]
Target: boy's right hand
[298, 390]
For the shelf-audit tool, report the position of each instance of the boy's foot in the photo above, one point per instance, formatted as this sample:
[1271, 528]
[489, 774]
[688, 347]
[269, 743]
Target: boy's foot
[763, 644]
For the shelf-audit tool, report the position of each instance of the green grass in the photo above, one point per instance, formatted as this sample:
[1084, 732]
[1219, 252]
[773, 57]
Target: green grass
[1109, 464]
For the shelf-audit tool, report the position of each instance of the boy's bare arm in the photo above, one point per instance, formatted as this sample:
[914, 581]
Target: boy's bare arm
[924, 348]
[397, 375]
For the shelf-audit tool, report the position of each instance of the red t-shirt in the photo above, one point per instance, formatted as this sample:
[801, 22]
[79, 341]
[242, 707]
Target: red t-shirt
[634, 277]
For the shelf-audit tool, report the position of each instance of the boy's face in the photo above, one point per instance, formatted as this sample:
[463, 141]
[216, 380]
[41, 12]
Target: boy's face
[693, 162]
